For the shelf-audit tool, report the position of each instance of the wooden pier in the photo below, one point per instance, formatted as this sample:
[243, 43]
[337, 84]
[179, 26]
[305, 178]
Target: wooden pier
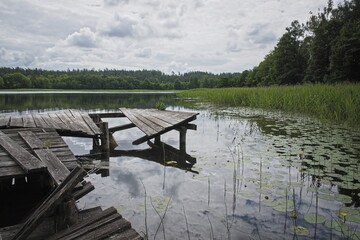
[34, 156]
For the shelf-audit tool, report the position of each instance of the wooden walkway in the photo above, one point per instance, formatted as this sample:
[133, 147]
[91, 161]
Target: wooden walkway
[27, 150]
[69, 121]
[155, 122]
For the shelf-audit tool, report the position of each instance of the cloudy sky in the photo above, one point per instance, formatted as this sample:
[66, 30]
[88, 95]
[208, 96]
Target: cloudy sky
[167, 35]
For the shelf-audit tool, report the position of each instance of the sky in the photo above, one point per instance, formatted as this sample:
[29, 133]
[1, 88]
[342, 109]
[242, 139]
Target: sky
[168, 35]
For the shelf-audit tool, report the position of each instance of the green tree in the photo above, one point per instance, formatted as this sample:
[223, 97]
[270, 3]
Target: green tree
[16, 80]
[2, 83]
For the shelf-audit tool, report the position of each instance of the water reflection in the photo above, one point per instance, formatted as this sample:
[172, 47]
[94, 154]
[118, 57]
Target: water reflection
[255, 169]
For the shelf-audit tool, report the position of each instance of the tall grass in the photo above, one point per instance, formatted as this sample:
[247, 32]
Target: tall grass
[339, 102]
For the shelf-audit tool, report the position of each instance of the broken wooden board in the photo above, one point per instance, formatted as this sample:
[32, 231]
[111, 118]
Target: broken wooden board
[26, 160]
[51, 201]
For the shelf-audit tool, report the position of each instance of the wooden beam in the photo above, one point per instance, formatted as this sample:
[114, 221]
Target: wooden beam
[51, 201]
[122, 127]
[107, 115]
[26, 160]
[88, 187]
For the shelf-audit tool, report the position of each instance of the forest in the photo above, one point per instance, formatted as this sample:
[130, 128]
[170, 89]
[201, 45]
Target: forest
[325, 49]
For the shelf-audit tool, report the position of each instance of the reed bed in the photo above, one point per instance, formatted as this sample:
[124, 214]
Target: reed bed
[338, 102]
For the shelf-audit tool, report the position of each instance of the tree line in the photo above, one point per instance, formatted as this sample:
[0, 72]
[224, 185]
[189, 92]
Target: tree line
[326, 49]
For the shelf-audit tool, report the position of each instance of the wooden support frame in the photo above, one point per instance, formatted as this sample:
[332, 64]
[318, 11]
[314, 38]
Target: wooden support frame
[122, 127]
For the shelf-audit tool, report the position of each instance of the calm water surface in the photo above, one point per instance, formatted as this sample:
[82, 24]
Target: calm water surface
[261, 175]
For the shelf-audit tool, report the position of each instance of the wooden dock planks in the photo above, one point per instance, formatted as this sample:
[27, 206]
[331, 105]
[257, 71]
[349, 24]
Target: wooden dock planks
[37, 139]
[155, 122]
[71, 121]
[27, 161]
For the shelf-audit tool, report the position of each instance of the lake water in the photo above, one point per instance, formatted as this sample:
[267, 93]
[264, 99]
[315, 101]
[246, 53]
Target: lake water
[258, 175]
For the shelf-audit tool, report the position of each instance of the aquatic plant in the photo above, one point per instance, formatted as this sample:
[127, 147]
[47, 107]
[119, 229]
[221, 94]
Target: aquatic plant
[339, 102]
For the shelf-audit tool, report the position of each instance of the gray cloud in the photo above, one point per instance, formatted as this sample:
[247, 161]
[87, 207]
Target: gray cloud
[112, 3]
[262, 34]
[143, 53]
[15, 58]
[120, 27]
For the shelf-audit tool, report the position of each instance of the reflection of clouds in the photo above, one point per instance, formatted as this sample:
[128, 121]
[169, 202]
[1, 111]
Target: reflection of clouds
[78, 145]
[126, 171]
[122, 177]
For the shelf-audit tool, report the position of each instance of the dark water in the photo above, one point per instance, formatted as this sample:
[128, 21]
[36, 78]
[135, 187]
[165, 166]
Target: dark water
[260, 174]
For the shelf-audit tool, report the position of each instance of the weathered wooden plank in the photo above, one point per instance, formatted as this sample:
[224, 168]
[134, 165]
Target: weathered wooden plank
[79, 120]
[90, 123]
[4, 121]
[88, 187]
[46, 227]
[29, 121]
[58, 121]
[52, 200]
[55, 167]
[83, 226]
[27, 161]
[129, 234]
[39, 122]
[32, 140]
[49, 121]
[68, 122]
[141, 125]
[163, 124]
[109, 228]
[16, 121]
[171, 117]
[13, 171]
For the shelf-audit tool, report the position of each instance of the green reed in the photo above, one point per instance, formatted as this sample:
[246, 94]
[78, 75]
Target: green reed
[338, 103]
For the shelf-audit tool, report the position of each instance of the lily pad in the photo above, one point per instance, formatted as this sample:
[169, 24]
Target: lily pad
[283, 208]
[337, 225]
[343, 198]
[301, 231]
[264, 190]
[326, 197]
[247, 194]
[353, 218]
[313, 218]
[269, 203]
[350, 211]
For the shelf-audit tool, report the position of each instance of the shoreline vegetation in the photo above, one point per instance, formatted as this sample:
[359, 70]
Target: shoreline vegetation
[338, 103]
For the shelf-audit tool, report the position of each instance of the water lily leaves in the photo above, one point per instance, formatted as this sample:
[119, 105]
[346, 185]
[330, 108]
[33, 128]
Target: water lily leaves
[326, 197]
[283, 208]
[350, 211]
[314, 218]
[264, 190]
[121, 208]
[269, 203]
[247, 194]
[343, 198]
[301, 231]
[283, 192]
[353, 218]
[295, 184]
[337, 225]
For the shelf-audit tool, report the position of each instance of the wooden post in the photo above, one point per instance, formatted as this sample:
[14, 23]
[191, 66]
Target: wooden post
[105, 143]
[183, 140]
[157, 140]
